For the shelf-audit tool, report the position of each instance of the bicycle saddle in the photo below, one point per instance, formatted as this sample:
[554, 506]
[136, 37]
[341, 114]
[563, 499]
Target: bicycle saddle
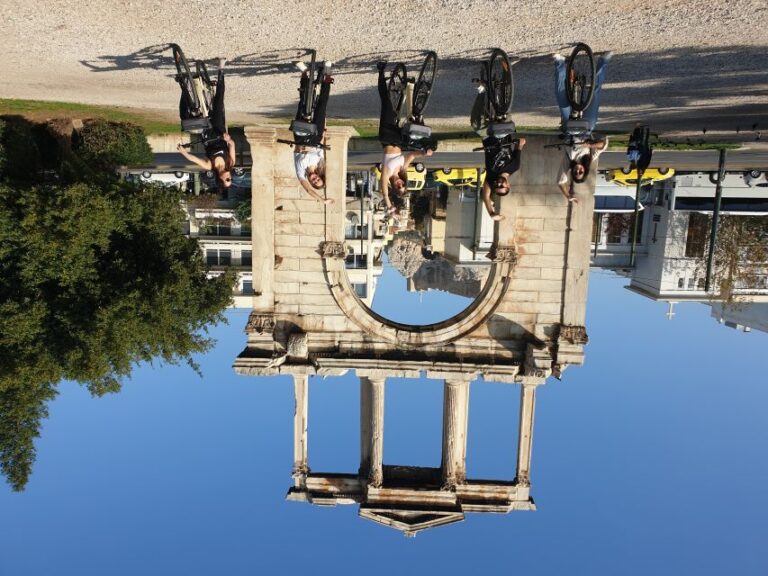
[195, 125]
[577, 127]
[416, 131]
[501, 130]
[303, 129]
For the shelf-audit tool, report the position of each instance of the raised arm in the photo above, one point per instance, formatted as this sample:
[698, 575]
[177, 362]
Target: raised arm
[204, 164]
[312, 192]
[230, 148]
[411, 156]
[488, 202]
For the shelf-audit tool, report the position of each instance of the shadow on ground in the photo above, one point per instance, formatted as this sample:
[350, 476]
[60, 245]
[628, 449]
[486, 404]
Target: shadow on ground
[680, 88]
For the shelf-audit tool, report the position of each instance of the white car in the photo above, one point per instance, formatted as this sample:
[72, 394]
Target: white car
[176, 178]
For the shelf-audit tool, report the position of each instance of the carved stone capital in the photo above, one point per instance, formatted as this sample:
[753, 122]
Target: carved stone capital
[300, 470]
[334, 250]
[375, 479]
[503, 254]
[572, 334]
[450, 483]
[523, 480]
[260, 323]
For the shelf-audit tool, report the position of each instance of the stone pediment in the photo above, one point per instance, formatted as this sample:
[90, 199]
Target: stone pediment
[411, 520]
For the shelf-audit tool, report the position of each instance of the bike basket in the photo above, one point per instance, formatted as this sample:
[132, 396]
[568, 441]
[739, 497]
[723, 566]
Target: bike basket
[195, 125]
[501, 130]
[303, 129]
[416, 131]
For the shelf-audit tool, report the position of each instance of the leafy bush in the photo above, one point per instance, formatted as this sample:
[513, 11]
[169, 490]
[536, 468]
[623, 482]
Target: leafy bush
[105, 144]
[2, 147]
[20, 152]
[243, 211]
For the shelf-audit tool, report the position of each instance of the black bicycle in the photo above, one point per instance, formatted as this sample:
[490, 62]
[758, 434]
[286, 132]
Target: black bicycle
[414, 93]
[197, 88]
[580, 79]
[309, 90]
[496, 90]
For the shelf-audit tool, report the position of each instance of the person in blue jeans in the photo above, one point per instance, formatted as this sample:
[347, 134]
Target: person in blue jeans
[579, 157]
[590, 114]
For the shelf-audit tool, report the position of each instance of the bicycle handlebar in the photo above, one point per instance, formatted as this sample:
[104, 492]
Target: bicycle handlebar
[292, 143]
[509, 144]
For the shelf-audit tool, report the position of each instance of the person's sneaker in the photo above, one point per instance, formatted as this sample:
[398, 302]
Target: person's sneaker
[300, 66]
[480, 88]
[328, 79]
[328, 65]
[380, 65]
[222, 62]
[607, 56]
[557, 57]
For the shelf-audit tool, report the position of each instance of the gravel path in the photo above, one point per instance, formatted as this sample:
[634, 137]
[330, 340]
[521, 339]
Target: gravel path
[681, 64]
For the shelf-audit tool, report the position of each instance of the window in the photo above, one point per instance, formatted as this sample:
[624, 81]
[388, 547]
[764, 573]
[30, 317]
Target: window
[356, 261]
[697, 235]
[245, 230]
[218, 257]
[355, 231]
[361, 290]
[218, 228]
[247, 286]
[640, 218]
[690, 283]
[245, 258]
[597, 227]
[681, 283]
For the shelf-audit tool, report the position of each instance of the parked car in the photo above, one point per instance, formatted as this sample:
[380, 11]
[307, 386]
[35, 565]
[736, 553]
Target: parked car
[176, 178]
[626, 177]
[460, 176]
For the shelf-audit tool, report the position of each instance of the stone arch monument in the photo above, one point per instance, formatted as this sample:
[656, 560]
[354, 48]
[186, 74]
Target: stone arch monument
[526, 325]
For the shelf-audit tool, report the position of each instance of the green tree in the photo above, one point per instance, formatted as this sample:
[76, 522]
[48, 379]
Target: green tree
[740, 255]
[93, 279]
[105, 144]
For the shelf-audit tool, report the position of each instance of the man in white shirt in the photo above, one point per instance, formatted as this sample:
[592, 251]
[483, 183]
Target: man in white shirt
[308, 159]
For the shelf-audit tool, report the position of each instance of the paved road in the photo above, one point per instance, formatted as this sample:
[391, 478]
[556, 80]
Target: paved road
[693, 161]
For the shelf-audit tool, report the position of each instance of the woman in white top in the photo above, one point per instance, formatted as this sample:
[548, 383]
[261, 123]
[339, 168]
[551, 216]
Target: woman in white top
[576, 164]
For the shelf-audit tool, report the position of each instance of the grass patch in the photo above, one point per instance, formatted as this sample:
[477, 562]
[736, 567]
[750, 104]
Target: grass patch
[38, 110]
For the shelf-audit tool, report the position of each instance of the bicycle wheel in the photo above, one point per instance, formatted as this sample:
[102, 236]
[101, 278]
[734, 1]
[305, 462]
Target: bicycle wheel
[309, 87]
[184, 77]
[580, 77]
[396, 87]
[423, 88]
[501, 86]
[202, 73]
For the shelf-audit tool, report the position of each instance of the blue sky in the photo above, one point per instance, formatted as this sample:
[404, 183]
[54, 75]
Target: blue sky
[650, 459]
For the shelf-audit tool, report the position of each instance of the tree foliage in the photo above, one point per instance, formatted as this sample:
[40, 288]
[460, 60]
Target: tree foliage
[107, 144]
[741, 253]
[95, 276]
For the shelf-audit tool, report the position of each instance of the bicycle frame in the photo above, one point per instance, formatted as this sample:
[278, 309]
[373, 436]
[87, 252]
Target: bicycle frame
[200, 88]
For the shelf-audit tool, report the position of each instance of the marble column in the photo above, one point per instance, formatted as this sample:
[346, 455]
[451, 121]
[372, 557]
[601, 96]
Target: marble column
[525, 435]
[262, 142]
[372, 430]
[455, 421]
[300, 461]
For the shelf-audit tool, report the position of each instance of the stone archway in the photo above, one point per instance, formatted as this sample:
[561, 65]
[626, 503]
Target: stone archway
[527, 321]
[405, 335]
